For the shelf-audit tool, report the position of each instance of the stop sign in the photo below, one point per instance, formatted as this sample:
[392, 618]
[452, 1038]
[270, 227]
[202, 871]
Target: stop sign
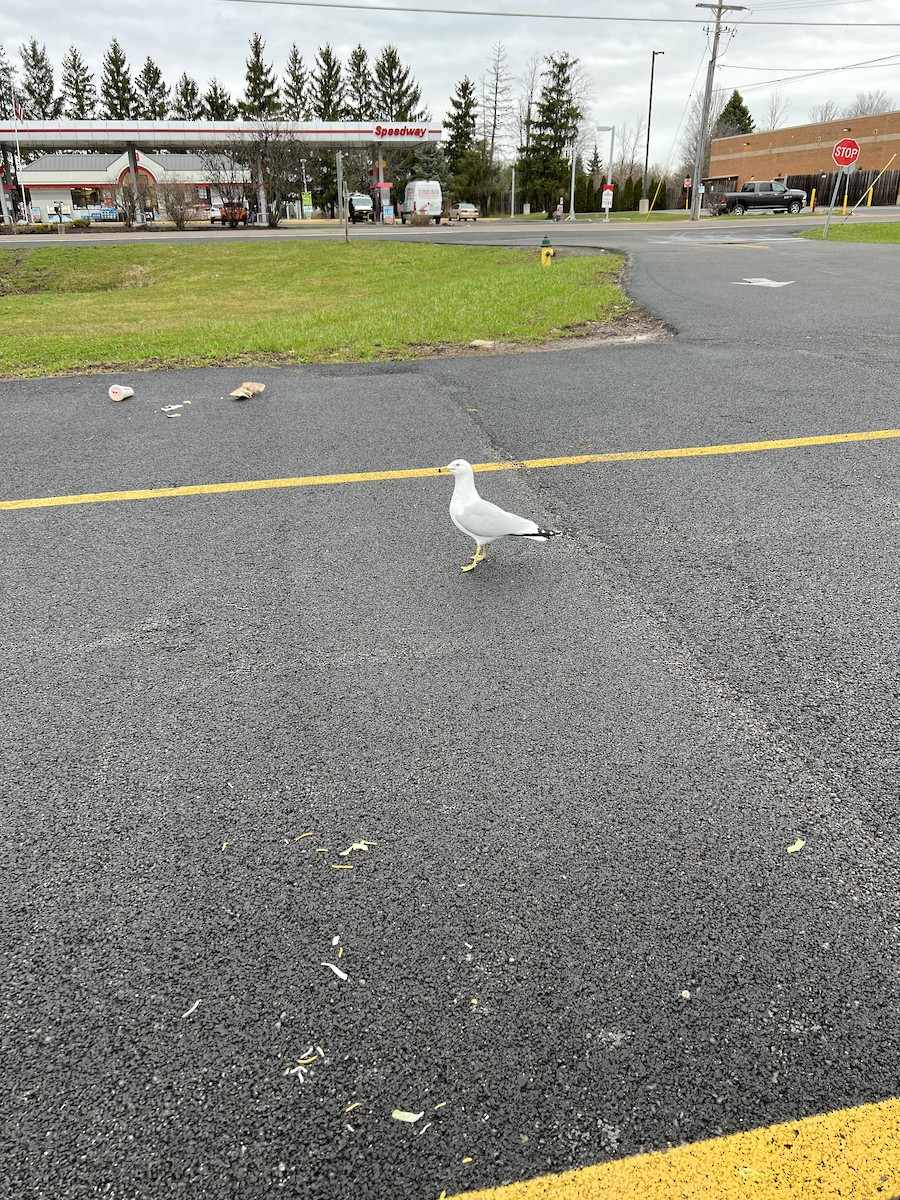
[846, 152]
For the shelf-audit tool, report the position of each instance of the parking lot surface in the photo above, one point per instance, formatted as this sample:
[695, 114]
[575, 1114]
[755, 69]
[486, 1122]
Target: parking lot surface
[584, 854]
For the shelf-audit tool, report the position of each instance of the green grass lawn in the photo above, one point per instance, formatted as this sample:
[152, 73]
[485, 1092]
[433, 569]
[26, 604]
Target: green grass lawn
[887, 231]
[94, 308]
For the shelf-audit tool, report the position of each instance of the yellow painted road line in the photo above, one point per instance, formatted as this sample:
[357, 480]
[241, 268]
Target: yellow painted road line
[853, 1154]
[254, 485]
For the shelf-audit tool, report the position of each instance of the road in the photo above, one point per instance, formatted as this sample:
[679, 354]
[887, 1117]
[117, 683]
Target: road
[602, 835]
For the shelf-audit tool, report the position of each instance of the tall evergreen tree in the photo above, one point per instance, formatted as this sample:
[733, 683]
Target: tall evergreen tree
[360, 86]
[595, 166]
[36, 88]
[327, 99]
[79, 91]
[261, 97]
[397, 95]
[545, 166]
[217, 104]
[461, 123]
[429, 162]
[295, 87]
[186, 102]
[734, 118]
[116, 90]
[151, 94]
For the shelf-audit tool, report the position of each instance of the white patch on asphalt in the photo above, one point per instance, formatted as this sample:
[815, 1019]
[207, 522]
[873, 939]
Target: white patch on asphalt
[763, 282]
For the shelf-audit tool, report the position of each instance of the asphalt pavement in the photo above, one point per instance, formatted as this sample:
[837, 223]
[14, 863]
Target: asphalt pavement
[536, 818]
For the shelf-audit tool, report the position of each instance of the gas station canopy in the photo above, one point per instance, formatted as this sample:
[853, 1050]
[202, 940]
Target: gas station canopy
[114, 136]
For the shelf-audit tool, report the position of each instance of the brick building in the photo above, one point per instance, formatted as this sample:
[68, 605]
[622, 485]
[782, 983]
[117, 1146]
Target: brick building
[803, 152]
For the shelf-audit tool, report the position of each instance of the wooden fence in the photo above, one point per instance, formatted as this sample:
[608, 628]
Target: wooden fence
[886, 190]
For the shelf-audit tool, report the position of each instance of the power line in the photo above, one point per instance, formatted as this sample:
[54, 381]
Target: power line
[807, 4]
[812, 74]
[869, 62]
[544, 16]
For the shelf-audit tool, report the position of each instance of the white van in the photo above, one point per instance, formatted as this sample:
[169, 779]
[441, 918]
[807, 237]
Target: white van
[422, 197]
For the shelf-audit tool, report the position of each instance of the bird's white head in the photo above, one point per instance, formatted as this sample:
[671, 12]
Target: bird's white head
[459, 466]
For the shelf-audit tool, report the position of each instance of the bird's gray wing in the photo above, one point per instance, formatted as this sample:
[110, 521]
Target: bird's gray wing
[479, 518]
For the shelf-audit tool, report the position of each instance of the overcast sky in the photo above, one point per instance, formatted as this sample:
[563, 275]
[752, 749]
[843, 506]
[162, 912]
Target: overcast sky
[210, 38]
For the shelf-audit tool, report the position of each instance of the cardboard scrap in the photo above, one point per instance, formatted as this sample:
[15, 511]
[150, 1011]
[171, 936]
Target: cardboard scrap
[246, 390]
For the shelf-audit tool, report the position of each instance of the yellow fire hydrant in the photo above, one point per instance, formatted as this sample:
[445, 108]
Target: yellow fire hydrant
[547, 252]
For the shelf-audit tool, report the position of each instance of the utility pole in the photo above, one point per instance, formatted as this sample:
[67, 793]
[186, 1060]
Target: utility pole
[649, 118]
[718, 9]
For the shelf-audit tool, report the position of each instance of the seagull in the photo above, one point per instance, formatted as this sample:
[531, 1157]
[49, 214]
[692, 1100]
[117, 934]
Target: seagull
[483, 521]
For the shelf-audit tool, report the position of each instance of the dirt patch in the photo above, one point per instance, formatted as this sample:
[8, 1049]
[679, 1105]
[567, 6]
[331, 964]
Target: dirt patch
[136, 276]
[629, 328]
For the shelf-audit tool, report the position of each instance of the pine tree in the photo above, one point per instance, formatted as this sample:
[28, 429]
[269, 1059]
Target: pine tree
[295, 87]
[116, 91]
[151, 95]
[327, 100]
[461, 123]
[397, 96]
[545, 167]
[261, 97]
[428, 162]
[595, 166]
[734, 117]
[359, 86]
[36, 88]
[187, 104]
[79, 92]
[217, 103]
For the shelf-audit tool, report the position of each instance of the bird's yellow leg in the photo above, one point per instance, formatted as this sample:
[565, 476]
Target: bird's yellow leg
[479, 554]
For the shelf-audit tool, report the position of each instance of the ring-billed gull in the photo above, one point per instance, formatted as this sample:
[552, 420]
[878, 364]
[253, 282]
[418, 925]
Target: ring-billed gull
[483, 521]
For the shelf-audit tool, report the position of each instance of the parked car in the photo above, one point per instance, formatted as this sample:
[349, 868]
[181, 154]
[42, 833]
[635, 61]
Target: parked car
[363, 209]
[758, 195]
[232, 214]
[463, 212]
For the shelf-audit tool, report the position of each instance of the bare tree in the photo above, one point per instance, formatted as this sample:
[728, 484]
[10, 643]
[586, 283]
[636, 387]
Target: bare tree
[529, 86]
[130, 199]
[630, 143]
[273, 154]
[496, 101]
[825, 110]
[227, 172]
[869, 104]
[178, 199]
[692, 132]
[775, 112]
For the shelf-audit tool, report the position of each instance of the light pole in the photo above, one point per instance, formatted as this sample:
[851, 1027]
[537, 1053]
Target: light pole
[649, 116]
[303, 193]
[571, 216]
